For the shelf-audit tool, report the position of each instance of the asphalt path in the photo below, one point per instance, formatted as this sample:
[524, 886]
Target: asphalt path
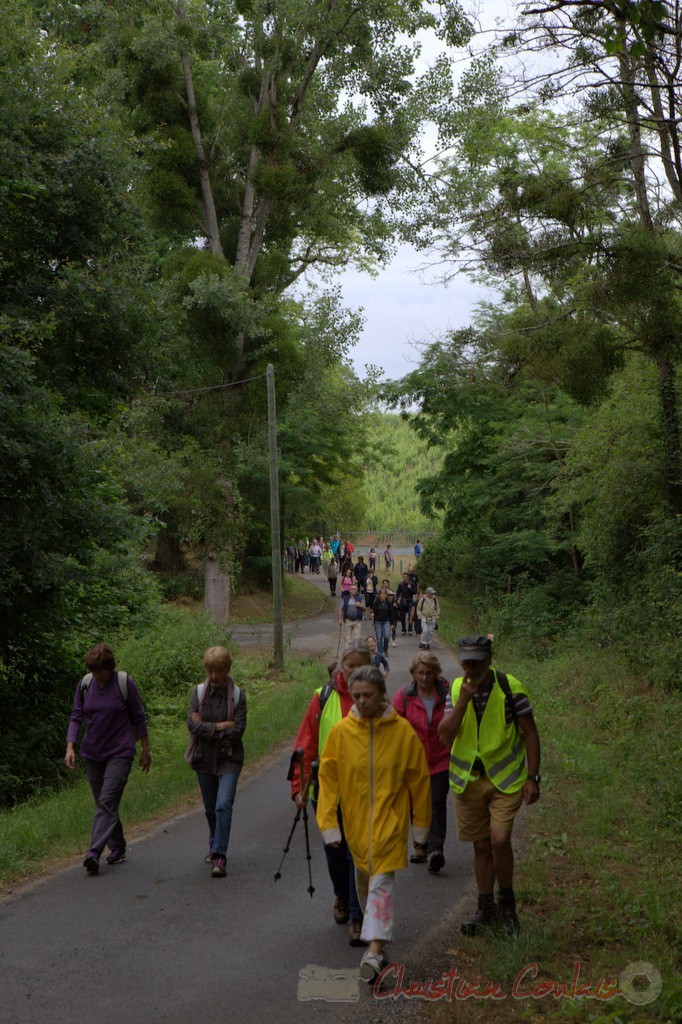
[156, 938]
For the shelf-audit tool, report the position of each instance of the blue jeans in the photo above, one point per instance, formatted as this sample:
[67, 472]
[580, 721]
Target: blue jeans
[382, 631]
[218, 793]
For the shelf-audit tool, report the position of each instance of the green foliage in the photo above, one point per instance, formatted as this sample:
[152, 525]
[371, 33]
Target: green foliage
[165, 657]
[397, 459]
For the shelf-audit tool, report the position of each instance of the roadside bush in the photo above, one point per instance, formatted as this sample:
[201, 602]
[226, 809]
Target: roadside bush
[165, 656]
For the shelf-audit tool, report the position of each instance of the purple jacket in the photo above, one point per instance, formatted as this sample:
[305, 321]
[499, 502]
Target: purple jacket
[111, 726]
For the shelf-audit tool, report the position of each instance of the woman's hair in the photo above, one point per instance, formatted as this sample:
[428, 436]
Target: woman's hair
[368, 674]
[428, 660]
[357, 647]
[217, 658]
[99, 657]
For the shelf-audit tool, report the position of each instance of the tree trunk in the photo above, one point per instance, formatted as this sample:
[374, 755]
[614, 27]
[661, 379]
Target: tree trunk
[169, 556]
[671, 428]
[637, 157]
[216, 589]
[210, 215]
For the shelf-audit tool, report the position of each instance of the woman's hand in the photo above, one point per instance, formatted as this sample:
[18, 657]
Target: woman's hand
[70, 756]
[195, 716]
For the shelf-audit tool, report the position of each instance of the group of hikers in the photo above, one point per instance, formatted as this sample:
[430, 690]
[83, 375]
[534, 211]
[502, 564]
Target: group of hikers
[371, 768]
[335, 558]
[384, 766]
[411, 606]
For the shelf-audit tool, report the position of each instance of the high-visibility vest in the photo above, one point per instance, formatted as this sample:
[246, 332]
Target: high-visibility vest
[332, 713]
[500, 747]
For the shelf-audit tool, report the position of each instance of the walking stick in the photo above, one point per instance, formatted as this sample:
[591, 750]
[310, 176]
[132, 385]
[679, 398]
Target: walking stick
[338, 646]
[305, 788]
[297, 762]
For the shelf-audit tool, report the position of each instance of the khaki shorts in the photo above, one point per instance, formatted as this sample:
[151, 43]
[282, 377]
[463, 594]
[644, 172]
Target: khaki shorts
[481, 807]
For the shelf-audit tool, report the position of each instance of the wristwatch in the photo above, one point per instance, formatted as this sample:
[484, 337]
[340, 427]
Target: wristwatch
[535, 778]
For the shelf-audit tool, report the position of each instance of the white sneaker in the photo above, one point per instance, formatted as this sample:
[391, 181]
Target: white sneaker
[371, 965]
[394, 644]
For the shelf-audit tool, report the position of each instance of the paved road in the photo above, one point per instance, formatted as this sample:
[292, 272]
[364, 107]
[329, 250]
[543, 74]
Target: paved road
[157, 939]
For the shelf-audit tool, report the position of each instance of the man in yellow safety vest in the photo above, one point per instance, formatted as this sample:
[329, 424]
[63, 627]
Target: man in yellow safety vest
[494, 767]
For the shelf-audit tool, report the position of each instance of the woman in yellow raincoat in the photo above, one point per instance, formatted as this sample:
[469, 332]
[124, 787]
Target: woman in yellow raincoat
[374, 763]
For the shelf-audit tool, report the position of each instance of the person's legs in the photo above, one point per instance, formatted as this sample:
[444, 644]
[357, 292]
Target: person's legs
[227, 787]
[378, 925]
[337, 866]
[503, 809]
[440, 788]
[108, 781]
[427, 632]
[208, 784]
[473, 825]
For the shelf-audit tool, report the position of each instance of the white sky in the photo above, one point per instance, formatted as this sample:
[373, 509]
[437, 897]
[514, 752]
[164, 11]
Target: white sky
[401, 307]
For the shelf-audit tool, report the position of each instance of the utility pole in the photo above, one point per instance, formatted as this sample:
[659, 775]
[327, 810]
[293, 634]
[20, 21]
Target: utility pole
[277, 610]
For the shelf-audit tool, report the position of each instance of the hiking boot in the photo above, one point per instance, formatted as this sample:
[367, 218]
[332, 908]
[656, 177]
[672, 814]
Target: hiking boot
[485, 917]
[219, 867]
[341, 911]
[371, 965]
[355, 932]
[116, 857]
[419, 856]
[91, 862]
[436, 861]
[506, 912]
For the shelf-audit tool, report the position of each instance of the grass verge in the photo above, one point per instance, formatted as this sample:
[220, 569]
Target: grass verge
[252, 607]
[599, 883]
[35, 834]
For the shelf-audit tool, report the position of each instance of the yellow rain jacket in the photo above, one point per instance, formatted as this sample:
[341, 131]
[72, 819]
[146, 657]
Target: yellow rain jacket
[377, 768]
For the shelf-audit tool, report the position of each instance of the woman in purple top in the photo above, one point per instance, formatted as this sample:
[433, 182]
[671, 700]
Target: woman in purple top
[115, 719]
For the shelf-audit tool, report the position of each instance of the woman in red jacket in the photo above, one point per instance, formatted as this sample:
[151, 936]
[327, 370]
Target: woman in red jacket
[328, 705]
[422, 703]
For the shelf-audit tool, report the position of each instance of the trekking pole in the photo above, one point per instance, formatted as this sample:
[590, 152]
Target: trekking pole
[338, 646]
[297, 762]
[312, 777]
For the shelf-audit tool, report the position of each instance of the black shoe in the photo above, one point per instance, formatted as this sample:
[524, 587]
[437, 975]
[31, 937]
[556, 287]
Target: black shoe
[436, 861]
[485, 917]
[91, 862]
[506, 912]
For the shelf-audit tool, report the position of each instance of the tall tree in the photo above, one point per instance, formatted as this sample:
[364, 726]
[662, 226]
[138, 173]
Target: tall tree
[275, 133]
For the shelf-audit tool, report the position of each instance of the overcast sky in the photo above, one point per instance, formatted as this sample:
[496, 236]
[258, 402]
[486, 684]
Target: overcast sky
[402, 309]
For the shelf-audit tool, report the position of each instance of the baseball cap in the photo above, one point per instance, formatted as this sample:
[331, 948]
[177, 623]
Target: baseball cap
[474, 648]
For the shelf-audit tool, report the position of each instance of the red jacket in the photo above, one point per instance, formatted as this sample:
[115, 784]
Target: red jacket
[408, 704]
[309, 732]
